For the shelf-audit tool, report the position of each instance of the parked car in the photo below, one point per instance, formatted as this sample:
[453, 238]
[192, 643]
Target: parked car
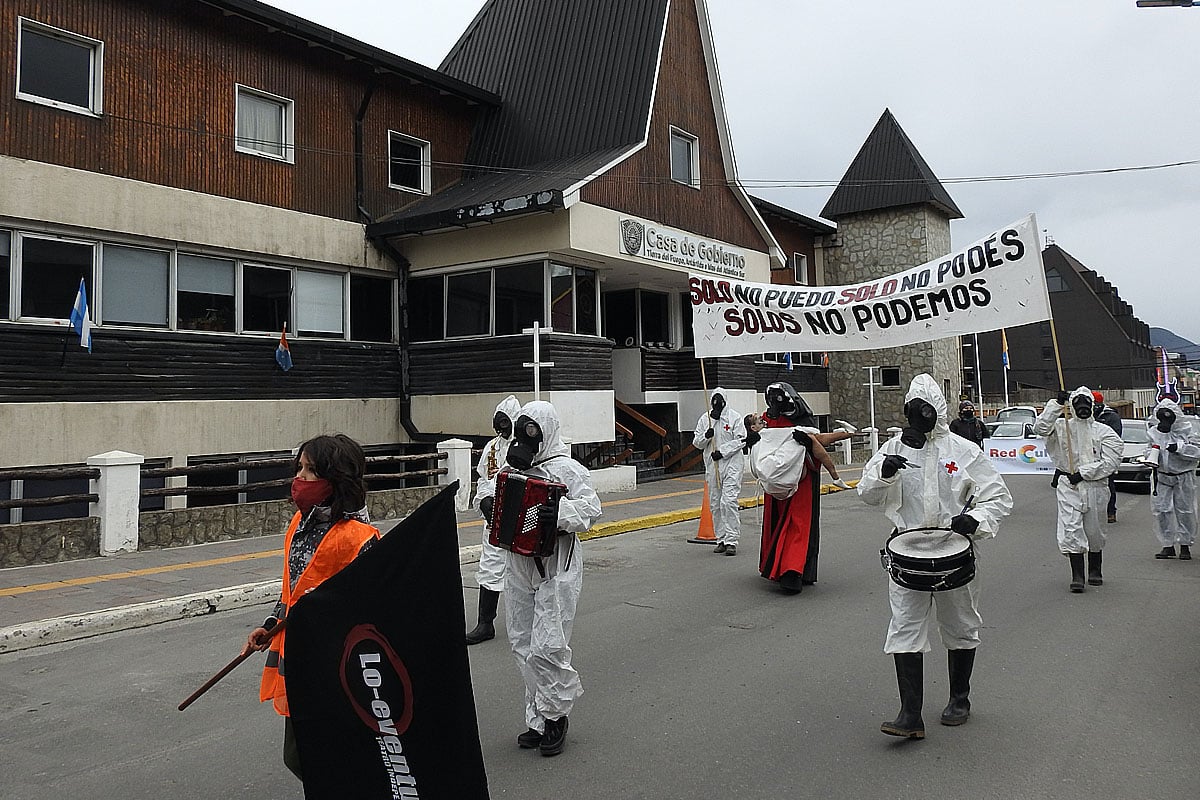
[1013, 429]
[1027, 414]
[1132, 472]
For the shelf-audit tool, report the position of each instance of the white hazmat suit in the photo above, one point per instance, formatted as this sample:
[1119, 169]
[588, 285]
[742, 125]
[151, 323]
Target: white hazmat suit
[491, 559]
[1174, 499]
[540, 609]
[1095, 453]
[724, 477]
[938, 482]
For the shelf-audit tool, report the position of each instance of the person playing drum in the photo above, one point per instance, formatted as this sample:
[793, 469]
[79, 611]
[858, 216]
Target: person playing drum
[931, 481]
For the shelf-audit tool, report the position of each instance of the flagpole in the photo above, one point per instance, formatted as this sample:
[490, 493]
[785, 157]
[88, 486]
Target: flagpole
[978, 377]
[228, 668]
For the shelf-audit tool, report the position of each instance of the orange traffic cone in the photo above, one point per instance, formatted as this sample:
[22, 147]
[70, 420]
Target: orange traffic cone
[706, 535]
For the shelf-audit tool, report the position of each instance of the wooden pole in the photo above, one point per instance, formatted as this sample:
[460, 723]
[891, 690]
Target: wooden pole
[1062, 387]
[704, 383]
[228, 668]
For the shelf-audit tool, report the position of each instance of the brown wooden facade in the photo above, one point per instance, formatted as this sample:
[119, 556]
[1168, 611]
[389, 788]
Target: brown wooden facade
[168, 116]
[641, 185]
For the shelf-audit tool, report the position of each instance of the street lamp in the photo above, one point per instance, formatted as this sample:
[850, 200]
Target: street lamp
[1164, 3]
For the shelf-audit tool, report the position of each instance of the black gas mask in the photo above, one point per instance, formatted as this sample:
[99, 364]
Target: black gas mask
[1166, 418]
[718, 405]
[1081, 404]
[502, 425]
[780, 402]
[921, 415]
[527, 441]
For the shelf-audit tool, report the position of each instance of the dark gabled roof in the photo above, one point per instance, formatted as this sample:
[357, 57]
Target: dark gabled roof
[577, 81]
[888, 172]
[815, 225]
[1058, 259]
[274, 18]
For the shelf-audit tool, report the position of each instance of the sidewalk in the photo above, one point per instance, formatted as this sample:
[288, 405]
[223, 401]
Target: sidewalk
[50, 603]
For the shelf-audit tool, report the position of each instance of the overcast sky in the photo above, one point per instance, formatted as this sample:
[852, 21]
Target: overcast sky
[1001, 88]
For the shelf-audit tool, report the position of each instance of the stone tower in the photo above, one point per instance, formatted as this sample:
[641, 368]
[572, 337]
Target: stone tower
[892, 213]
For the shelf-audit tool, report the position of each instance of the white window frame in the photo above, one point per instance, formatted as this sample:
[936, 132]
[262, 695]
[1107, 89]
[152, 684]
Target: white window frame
[288, 128]
[800, 268]
[426, 163]
[17, 267]
[241, 298]
[895, 385]
[98, 266]
[297, 278]
[95, 105]
[694, 145]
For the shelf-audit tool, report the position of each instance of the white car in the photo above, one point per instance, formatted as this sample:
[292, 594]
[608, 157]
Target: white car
[1132, 472]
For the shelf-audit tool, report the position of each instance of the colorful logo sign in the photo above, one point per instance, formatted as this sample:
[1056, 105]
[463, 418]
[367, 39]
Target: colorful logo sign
[1028, 454]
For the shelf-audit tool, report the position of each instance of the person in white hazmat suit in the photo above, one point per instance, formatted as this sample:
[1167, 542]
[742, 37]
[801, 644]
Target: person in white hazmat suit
[1174, 499]
[540, 594]
[1085, 452]
[490, 575]
[720, 435]
[930, 478]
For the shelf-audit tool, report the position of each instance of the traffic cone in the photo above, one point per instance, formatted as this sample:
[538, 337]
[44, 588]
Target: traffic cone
[707, 535]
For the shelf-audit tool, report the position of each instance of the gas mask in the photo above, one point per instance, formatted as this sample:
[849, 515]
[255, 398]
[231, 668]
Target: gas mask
[1166, 418]
[779, 402]
[502, 425]
[921, 415]
[527, 441]
[718, 405]
[1082, 406]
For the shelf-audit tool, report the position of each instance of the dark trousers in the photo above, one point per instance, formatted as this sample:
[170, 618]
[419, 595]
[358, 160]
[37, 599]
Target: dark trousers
[1112, 494]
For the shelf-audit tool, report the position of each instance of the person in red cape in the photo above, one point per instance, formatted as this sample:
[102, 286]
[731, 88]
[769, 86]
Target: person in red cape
[791, 534]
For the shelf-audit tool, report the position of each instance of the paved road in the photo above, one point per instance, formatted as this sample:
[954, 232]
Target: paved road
[702, 681]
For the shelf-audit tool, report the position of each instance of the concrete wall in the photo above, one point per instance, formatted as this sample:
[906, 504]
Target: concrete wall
[586, 416]
[68, 433]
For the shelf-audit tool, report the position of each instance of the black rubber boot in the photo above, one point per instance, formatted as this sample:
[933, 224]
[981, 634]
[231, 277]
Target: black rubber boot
[1167, 552]
[1095, 560]
[1185, 552]
[791, 582]
[910, 677]
[487, 612]
[555, 737]
[1076, 572]
[960, 663]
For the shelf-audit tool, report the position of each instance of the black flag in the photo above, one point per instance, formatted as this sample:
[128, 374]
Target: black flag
[378, 680]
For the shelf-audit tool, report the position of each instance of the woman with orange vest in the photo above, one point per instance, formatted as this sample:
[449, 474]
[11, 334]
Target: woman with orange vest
[329, 530]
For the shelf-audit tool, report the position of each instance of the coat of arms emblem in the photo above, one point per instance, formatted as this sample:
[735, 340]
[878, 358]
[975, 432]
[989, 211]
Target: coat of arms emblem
[633, 233]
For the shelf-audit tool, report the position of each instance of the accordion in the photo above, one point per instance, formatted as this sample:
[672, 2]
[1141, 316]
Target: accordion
[515, 524]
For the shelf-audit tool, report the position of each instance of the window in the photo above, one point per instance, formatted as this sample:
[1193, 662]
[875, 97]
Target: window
[136, 286]
[371, 308]
[685, 158]
[59, 68]
[573, 299]
[426, 308]
[320, 309]
[50, 273]
[655, 319]
[620, 317]
[266, 298]
[1047, 354]
[264, 124]
[889, 377]
[408, 163]
[468, 304]
[1055, 282]
[5, 272]
[685, 306]
[519, 298]
[800, 267]
[585, 302]
[206, 293]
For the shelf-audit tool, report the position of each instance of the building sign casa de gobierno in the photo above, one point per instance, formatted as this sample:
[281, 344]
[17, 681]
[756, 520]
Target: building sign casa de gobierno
[679, 249]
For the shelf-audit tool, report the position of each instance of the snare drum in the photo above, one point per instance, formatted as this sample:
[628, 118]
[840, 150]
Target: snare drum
[933, 561]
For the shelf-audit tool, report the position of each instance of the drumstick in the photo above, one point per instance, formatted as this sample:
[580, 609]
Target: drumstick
[228, 668]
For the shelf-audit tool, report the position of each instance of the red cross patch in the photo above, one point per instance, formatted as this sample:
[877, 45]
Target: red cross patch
[951, 468]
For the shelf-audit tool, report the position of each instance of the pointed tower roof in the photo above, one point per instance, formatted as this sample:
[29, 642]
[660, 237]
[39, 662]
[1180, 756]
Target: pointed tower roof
[888, 172]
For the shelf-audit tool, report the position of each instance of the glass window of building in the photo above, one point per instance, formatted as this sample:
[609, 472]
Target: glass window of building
[562, 298]
[59, 68]
[685, 308]
[50, 273]
[468, 303]
[685, 161]
[519, 298]
[408, 163]
[320, 307]
[889, 377]
[264, 124]
[585, 302]
[371, 308]
[5, 273]
[136, 286]
[426, 308]
[620, 317]
[266, 299]
[656, 320]
[205, 293]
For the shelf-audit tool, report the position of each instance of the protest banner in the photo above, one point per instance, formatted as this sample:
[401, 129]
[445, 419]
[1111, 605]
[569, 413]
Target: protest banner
[994, 283]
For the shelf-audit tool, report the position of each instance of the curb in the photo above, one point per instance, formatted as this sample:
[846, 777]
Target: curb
[139, 615]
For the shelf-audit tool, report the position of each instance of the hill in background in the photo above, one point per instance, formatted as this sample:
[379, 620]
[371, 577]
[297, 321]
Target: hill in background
[1161, 337]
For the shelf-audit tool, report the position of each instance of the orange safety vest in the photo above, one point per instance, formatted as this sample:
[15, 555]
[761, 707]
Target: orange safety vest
[339, 547]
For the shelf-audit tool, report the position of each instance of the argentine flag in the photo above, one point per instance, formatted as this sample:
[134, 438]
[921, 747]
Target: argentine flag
[79, 317]
[283, 353]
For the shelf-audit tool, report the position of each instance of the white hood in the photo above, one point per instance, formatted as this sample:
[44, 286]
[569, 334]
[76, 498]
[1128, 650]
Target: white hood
[924, 387]
[546, 417]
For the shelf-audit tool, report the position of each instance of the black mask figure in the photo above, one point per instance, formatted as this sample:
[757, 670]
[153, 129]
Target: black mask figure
[784, 402]
[922, 417]
[1082, 406]
[966, 411]
[1166, 418]
[502, 425]
[527, 441]
[718, 405]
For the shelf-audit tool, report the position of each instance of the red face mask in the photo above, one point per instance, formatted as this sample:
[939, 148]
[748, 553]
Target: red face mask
[306, 494]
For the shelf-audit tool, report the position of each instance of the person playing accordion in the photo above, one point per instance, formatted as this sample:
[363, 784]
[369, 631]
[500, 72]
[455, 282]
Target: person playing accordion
[541, 592]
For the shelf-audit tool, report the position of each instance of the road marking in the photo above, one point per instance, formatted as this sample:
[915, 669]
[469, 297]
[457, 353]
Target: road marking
[112, 576]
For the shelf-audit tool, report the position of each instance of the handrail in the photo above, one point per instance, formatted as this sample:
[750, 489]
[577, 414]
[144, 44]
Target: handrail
[621, 429]
[619, 457]
[48, 473]
[196, 469]
[62, 499]
[679, 456]
[641, 418]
